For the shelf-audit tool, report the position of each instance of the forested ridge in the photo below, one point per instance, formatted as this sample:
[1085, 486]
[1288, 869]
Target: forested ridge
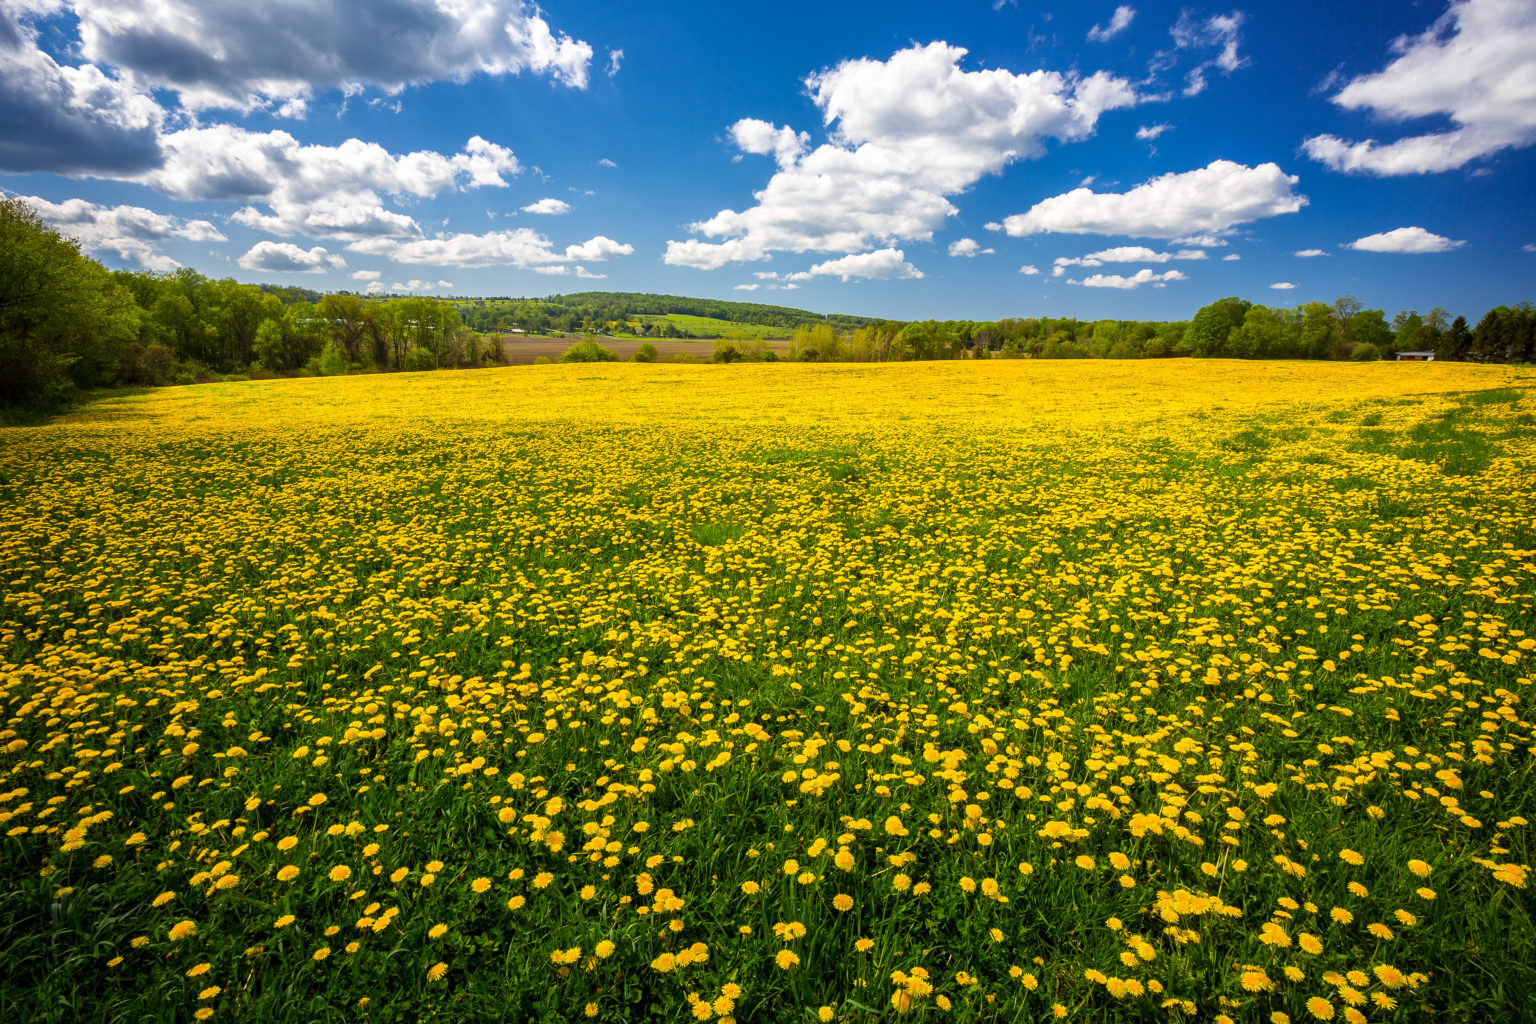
[67, 323]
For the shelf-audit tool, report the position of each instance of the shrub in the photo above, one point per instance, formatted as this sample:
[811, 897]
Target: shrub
[419, 359]
[542, 361]
[646, 353]
[588, 351]
[332, 361]
[1365, 353]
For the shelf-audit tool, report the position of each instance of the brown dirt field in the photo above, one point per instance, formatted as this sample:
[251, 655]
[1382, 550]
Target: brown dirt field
[523, 351]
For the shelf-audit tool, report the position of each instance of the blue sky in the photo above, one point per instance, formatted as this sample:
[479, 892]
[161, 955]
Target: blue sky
[963, 160]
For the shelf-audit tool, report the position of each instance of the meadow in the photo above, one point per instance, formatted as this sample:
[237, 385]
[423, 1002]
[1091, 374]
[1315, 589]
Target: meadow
[986, 691]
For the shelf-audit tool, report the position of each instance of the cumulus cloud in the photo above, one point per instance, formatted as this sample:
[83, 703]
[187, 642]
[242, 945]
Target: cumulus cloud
[1123, 254]
[585, 274]
[1309, 253]
[1405, 240]
[904, 134]
[1231, 257]
[1475, 66]
[1222, 33]
[1029, 270]
[1146, 275]
[238, 55]
[523, 248]
[319, 191]
[128, 232]
[1148, 132]
[746, 287]
[1119, 22]
[414, 285]
[548, 206]
[285, 257]
[1205, 204]
[880, 265]
[1283, 286]
[967, 247]
[1528, 247]
[68, 119]
[366, 275]
[763, 138]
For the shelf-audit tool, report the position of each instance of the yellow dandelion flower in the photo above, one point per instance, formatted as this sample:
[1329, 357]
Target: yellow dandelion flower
[321, 953]
[437, 931]
[1320, 1008]
[842, 901]
[340, 873]
[480, 885]
[183, 930]
[437, 971]
[785, 959]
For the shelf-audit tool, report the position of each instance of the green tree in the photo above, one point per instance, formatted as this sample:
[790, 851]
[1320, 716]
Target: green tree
[63, 318]
[1212, 325]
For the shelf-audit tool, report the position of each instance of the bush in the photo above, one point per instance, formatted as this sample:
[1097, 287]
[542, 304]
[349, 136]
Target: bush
[646, 353]
[1365, 353]
[146, 364]
[419, 359]
[542, 361]
[332, 362]
[589, 351]
[726, 351]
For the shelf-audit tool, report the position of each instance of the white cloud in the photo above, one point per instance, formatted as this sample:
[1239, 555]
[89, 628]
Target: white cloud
[1309, 253]
[880, 265]
[1118, 23]
[1029, 270]
[1475, 66]
[968, 247]
[548, 206]
[763, 138]
[1123, 254]
[414, 285]
[1213, 199]
[1221, 32]
[285, 257]
[239, 55]
[1148, 132]
[904, 134]
[1283, 286]
[129, 232]
[747, 287]
[615, 58]
[585, 274]
[318, 191]
[1528, 247]
[1143, 276]
[366, 275]
[1405, 240]
[1231, 257]
[523, 248]
[557, 270]
[64, 119]
[605, 162]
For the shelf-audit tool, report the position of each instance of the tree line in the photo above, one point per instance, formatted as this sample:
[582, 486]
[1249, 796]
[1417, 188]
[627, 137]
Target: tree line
[67, 322]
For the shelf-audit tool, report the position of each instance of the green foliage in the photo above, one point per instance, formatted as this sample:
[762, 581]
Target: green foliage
[1365, 352]
[332, 361]
[62, 317]
[419, 359]
[588, 351]
[646, 353]
[1212, 325]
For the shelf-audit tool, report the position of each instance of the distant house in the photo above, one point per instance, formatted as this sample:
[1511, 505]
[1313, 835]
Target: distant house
[1416, 357]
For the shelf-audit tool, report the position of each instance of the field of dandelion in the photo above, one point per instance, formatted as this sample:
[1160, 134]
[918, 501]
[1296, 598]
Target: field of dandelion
[988, 691]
